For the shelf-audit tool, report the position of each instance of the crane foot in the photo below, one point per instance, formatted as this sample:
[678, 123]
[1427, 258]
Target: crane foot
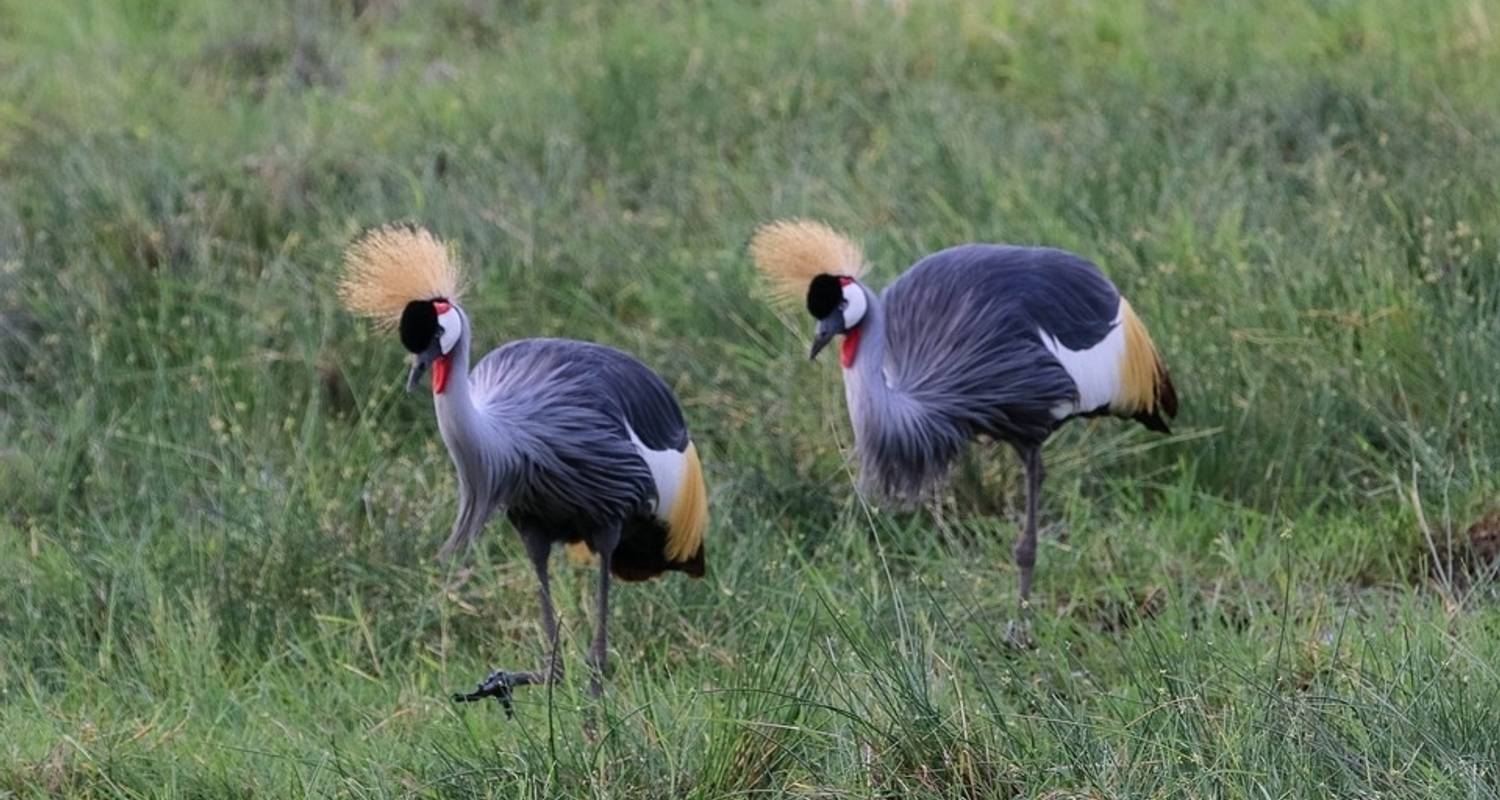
[498, 685]
[1018, 635]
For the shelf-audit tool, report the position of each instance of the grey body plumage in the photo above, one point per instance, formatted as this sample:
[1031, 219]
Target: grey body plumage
[539, 428]
[552, 431]
[998, 341]
[952, 350]
[576, 442]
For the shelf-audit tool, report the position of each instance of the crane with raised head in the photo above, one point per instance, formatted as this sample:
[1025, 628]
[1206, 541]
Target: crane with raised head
[577, 443]
[991, 340]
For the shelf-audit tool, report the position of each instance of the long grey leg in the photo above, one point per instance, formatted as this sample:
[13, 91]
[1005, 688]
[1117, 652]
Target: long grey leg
[1019, 634]
[1025, 549]
[500, 682]
[538, 549]
[605, 543]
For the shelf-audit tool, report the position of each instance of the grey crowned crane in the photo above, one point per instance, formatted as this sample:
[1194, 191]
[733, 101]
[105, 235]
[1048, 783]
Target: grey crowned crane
[577, 443]
[980, 339]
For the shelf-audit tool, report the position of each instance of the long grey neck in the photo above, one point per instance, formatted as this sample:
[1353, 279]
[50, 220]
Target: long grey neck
[460, 422]
[865, 389]
[482, 448]
[902, 446]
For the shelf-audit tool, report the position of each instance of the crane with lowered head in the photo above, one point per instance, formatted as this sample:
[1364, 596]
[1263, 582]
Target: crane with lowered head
[1003, 341]
[577, 443]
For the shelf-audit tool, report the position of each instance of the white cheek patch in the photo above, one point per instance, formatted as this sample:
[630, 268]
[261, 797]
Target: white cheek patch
[666, 472]
[452, 325]
[855, 306]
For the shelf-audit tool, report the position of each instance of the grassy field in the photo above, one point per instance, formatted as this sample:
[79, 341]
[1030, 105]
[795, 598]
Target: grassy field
[218, 508]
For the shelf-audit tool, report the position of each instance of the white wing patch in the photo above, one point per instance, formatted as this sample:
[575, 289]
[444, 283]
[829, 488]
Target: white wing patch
[666, 470]
[1094, 370]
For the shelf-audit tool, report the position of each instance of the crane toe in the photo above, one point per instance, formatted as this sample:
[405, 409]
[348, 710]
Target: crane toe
[500, 685]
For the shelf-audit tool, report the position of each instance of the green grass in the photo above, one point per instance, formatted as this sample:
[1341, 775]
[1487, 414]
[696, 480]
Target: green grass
[218, 508]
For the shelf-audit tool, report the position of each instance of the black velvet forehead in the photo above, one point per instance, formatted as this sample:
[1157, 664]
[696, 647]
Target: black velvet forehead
[419, 325]
[824, 295]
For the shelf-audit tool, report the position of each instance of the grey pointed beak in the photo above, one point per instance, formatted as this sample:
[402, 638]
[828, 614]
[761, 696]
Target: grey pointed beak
[420, 362]
[828, 327]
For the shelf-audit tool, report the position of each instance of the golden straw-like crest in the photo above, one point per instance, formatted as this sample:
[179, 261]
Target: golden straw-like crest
[393, 265]
[791, 252]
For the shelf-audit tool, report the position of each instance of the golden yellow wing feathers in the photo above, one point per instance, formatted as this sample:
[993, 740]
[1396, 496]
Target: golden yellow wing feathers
[686, 524]
[580, 554]
[1141, 370]
[688, 519]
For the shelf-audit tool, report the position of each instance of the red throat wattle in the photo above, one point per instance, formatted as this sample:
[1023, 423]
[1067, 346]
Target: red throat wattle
[849, 349]
[440, 366]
